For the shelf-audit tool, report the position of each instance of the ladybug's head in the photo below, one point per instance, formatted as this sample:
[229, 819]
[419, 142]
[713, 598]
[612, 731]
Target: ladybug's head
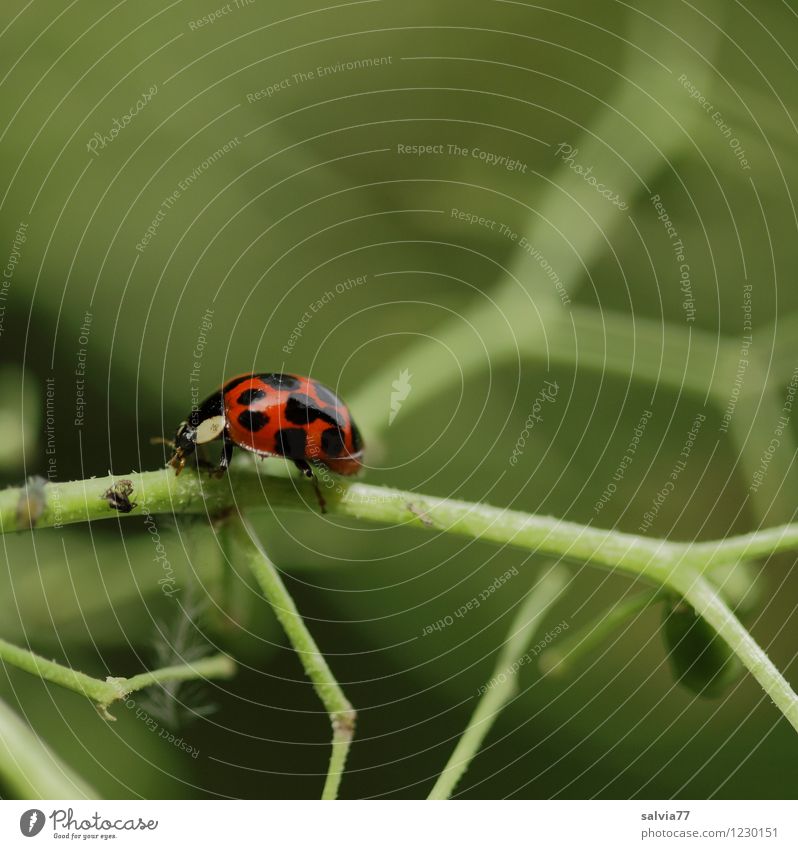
[202, 425]
[186, 436]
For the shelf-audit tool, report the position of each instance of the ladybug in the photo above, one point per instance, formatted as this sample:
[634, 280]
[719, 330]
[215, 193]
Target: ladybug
[274, 415]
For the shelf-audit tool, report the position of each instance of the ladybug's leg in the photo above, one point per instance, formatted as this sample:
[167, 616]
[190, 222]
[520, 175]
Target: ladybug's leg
[304, 467]
[227, 454]
[307, 471]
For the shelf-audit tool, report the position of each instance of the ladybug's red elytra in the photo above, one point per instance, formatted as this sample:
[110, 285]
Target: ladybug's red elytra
[274, 415]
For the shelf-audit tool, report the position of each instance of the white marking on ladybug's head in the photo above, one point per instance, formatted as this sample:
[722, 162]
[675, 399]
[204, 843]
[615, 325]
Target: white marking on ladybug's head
[209, 430]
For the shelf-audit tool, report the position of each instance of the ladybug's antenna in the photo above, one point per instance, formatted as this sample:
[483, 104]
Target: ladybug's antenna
[159, 440]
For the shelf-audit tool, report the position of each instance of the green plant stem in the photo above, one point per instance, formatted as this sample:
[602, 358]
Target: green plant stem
[557, 660]
[708, 604]
[342, 715]
[104, 693]
[216, 666]
[30, 769]
[162, 492]
[503, 684]
[663, 562]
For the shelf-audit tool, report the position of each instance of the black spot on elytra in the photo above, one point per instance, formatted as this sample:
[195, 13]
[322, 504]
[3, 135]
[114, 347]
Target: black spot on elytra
[302, 410]
[327, 396]
[253, 420]
[280, 381]
[290, 442]
[236, 381]
[357, 439]
[248, 396]
[332, 442]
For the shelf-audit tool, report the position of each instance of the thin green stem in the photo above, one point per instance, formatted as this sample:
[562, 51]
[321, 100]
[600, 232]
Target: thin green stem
[662, 562]
[190, 493]
[503, 683]
[342, 715]
[30, 769]
[558, 659]
[707, 603]
[99, 691]
[161, 492]
[105, 693]
[763, 543]
[216, 666]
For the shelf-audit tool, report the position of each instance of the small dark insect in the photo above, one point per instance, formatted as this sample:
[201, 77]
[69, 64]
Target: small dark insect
[118, 496]
[274, 415]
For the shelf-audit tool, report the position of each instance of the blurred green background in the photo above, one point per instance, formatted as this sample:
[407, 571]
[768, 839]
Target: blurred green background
[265, 183]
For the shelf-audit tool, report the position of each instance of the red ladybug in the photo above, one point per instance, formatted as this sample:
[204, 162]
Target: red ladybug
[274, 415]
